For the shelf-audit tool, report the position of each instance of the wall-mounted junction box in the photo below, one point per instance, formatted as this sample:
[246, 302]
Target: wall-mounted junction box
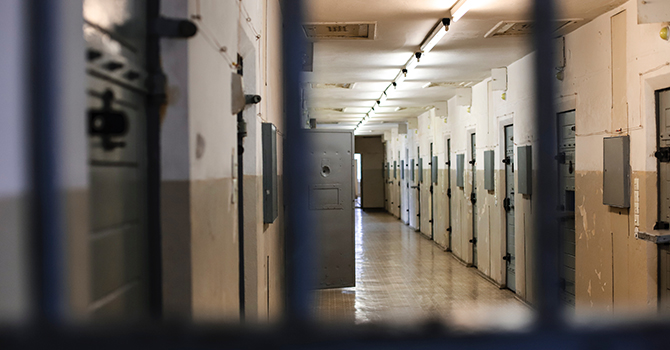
[525, 171]
[616, 171]
[460, 169]
[489, 170]
[270, 191]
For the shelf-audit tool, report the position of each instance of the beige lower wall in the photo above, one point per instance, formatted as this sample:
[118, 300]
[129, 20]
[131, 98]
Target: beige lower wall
[176, 249]
[214, 250]
[614, 271]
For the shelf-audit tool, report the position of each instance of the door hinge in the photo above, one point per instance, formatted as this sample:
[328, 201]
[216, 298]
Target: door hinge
[174, 28]
[473, 198]
[472, 162]
[507, 160]
[507, 204]
[662, 225]
[507, 257]
[449, 229]
[449, 192]
[474, 241]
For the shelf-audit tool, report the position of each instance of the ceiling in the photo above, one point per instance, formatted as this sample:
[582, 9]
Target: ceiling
[463, 56]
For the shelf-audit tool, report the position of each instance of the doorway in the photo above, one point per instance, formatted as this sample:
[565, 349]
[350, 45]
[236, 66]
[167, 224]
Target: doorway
[508, 205]
[566, 197]
[448, 184]
[473, 196]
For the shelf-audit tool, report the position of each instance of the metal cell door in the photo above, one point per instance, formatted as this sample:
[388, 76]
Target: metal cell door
[473, 196]
[331, 198]
[448, 164]
[663, 163]
[433, 181]
[115, 38]
[405, 188]
[566, 196]
[508, 204]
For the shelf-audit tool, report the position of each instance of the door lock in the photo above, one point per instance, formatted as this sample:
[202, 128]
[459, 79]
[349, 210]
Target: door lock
[108, 123]
[663, 154]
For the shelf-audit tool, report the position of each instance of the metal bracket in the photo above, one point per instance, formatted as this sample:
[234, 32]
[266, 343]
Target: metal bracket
[174, 28]
[658, 239]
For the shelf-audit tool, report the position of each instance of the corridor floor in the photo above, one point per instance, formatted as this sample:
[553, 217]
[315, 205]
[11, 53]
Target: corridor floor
[402, 277]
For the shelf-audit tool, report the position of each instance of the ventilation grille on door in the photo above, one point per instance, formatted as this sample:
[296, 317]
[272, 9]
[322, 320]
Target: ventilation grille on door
[521, 28]
[340, 30]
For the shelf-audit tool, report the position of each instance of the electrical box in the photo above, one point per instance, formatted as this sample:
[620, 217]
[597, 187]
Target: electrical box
[499, 79]
[433, 170]
[411, 170]
[525, 173]
[395, 169]
[616, 171]
[489, 170]
[270, 191]
[402, 169]
[421, 170]
[460, 170]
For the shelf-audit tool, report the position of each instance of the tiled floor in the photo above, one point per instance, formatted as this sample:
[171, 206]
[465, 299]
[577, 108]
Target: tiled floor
[402, 277]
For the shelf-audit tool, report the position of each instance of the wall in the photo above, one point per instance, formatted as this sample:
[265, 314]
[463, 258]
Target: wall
[610, 81]
[371, 149]
[199, 152]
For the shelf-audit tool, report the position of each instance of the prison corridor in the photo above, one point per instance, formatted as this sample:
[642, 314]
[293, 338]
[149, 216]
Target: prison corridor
[404, 278]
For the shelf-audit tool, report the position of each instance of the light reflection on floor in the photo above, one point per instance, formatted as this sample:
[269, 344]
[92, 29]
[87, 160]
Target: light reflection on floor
[401, 277]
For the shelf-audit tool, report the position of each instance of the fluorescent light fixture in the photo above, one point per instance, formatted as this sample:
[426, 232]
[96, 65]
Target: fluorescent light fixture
[436, 35]
[412, 63]
[400, 77]
[383, 98]
[465, 6]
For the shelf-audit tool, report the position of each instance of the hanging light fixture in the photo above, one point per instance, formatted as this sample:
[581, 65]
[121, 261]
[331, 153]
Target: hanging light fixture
[463, 8]
[436, 35]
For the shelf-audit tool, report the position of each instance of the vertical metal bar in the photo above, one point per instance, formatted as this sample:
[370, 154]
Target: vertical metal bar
[547, 240]
[46, 211]
[155, 101]
[299, 244]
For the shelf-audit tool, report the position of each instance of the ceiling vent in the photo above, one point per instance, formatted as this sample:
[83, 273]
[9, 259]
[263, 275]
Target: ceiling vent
[338, 110]
[340, 30]
[347, 86]
[449, 84]
[523, 28]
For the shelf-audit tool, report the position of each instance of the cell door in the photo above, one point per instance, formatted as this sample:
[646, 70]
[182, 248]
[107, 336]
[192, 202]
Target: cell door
[405, 187]
[418, 188]
[663, 164]
[508, 204]
[473, 196]
[566, 196]
[331, 198]
[448, 164]
[433, 181]
[115, 35]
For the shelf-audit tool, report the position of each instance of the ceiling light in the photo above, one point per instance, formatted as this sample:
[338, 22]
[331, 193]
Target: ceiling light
[412, 63]
[465, 6]
[401, 77]
[383, 98]
[436, 35]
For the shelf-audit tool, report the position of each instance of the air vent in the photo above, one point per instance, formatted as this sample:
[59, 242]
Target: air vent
[340, 30]
[449, 84]
[338, 110]
[522, 28]
[333, 85]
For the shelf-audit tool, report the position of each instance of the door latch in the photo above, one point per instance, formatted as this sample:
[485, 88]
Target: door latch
[507, 204]
[108, 123]
[663, 154]
[560, 157]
